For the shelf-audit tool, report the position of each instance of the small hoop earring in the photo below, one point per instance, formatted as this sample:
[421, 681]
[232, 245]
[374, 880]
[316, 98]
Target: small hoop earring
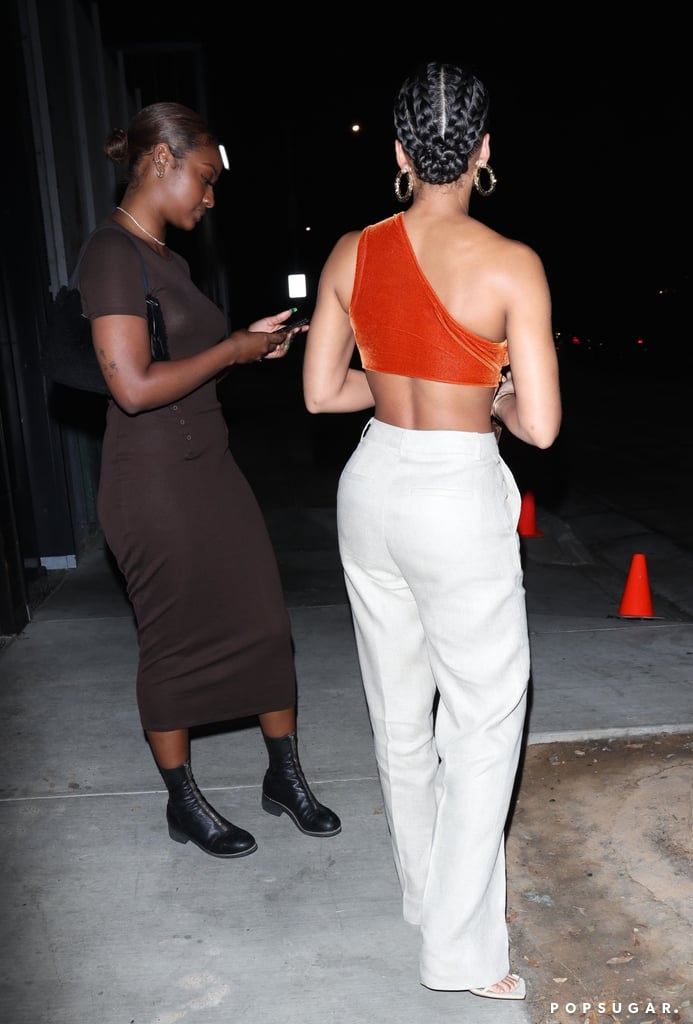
[491, 180]
[398, 185]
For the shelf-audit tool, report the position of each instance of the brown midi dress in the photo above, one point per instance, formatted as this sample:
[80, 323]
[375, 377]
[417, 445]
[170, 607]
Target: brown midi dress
[181, 520]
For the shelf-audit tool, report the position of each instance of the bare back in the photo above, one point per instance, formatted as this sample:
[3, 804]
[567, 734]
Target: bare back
[492, 285]
[458, 257]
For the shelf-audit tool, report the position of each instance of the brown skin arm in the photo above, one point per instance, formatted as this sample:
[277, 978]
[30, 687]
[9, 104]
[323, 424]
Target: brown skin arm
[329, 383]
[533, 413]
[137, 384]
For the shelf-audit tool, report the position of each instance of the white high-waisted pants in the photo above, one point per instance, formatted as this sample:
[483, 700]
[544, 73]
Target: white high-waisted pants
[428, 540]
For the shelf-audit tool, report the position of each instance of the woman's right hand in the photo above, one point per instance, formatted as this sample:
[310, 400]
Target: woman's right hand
[251, 346]
[506, 387]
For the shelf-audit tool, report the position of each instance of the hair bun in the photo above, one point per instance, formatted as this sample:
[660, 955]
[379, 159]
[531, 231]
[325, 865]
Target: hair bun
[440, 115]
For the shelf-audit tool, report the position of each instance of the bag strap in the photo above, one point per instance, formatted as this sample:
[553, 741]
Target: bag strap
[108, 227]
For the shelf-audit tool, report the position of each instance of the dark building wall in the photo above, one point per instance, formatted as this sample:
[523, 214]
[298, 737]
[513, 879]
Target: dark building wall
[67, 91]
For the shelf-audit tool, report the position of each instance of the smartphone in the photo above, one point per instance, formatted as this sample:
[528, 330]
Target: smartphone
[289, 325]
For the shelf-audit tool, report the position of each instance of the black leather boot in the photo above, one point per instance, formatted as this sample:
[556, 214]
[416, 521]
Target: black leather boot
[285, 789]
[191, 818]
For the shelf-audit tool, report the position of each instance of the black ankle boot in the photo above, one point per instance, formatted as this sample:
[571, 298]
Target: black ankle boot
[285, 789]
[190, 817]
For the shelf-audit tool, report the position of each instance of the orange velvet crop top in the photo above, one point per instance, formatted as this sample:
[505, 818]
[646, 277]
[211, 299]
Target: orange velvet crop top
[401, 326]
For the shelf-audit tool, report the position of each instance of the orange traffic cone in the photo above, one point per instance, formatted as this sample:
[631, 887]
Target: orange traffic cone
[636, 602]
[527, 525]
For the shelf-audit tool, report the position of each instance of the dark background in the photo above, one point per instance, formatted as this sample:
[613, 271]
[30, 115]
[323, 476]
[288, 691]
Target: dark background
[590, 144]
[589, 136]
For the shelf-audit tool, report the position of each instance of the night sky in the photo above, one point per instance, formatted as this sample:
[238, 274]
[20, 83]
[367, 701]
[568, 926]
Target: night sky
[589, 137]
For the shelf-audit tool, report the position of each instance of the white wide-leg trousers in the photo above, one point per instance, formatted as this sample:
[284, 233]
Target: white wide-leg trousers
[428, 539]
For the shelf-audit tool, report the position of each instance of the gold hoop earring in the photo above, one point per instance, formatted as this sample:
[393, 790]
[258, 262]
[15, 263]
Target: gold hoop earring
[491, 180]
[398, 185]
[160, 168]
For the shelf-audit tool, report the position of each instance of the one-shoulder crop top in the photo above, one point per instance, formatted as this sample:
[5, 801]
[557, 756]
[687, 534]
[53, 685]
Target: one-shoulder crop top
[399, 323]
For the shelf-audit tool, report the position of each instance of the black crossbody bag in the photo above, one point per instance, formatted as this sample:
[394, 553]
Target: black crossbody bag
[67, 350]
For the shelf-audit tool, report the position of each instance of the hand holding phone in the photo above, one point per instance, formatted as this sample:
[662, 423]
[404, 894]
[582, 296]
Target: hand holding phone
[289, 325]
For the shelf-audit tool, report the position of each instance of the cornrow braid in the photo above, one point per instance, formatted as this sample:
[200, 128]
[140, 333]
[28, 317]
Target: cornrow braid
[441, 115]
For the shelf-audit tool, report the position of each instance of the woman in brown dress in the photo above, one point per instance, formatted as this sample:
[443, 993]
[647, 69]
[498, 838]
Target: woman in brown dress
[180, 518]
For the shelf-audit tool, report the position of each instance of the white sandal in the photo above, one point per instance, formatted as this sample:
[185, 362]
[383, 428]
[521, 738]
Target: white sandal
[518, 991]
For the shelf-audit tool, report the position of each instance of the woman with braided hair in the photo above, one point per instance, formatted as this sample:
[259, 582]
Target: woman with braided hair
[439, 305]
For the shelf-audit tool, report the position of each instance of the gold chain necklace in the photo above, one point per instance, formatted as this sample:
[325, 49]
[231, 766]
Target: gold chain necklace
[158, 242]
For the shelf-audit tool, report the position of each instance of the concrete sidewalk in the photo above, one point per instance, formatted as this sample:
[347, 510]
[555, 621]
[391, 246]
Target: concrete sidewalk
[106, 921]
